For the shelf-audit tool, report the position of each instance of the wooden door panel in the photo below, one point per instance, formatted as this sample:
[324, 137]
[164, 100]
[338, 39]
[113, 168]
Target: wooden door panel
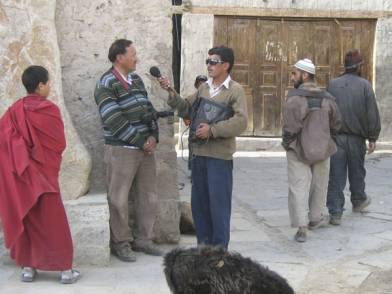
[241, 37]
[367, 40]
[220, 30]
[323, 48]
[296, 47]
[348, 40]
[267, 96]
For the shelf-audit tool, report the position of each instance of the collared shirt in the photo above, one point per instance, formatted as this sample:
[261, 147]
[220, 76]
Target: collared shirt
[127, 78]
[215, 91]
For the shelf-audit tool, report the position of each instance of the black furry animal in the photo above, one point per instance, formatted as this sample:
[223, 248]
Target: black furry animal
[213, 270]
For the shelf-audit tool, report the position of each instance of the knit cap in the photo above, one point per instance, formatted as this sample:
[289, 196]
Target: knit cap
[306, 65]
[353, 59]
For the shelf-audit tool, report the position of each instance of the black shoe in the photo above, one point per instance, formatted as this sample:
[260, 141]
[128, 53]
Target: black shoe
[363, 205]
[123, 251]
[335, 220]
[148, 248]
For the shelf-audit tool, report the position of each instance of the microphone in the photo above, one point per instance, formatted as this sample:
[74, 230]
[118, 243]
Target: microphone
[156, 73]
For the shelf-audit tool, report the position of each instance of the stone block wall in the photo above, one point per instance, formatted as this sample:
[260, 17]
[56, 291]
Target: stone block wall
[28, 36]
[89, 223]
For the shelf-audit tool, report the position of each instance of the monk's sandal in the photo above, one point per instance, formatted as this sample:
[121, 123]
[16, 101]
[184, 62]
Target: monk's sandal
[28, 274]
[69, 276]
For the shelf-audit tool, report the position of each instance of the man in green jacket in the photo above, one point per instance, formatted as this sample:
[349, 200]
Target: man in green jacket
[213, 144]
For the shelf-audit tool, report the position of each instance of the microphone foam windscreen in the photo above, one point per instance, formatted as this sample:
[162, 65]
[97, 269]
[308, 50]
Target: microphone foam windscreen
[155, 72]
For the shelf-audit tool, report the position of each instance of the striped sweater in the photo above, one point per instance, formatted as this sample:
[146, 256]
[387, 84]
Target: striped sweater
[124, 111]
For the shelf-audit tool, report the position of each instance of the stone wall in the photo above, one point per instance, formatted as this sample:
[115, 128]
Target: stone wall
[89, 223]
[86, 30]
[196, 29]
[383, 72]
[28, 36]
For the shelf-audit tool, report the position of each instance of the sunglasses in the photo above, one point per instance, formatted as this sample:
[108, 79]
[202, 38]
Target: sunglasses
[214, 62]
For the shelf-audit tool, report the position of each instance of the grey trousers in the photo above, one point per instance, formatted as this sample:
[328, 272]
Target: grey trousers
[349, 161]
[131, 173]
[307, 190]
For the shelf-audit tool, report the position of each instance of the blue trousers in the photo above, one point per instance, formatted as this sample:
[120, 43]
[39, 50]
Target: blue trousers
[348, 160]
[212, 185]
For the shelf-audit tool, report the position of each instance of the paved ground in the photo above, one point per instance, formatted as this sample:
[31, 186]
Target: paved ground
[353, 258]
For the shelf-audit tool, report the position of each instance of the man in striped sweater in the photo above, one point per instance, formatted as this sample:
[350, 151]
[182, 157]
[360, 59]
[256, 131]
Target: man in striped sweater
[131, 137]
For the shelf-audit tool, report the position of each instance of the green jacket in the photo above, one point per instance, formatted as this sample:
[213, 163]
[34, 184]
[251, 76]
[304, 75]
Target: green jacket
[222, 143]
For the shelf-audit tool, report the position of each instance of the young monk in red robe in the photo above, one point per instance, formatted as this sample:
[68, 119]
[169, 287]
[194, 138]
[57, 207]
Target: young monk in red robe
[32, 140]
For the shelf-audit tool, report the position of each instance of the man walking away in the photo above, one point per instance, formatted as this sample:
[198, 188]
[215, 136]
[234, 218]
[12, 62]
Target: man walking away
[360, 122]
[310, 116]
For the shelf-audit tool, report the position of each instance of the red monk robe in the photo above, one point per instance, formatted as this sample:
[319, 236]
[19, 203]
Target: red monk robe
[35, 225]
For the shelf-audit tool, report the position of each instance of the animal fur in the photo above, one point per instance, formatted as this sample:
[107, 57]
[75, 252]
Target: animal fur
[213, 270]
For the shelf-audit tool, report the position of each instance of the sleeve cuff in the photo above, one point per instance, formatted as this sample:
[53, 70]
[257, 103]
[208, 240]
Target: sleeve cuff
[214, 132]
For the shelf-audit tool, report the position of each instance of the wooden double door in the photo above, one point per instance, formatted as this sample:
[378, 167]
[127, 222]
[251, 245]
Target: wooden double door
[266, 50]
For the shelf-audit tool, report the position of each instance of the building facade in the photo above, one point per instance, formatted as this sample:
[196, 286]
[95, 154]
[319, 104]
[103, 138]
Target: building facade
[269, 36]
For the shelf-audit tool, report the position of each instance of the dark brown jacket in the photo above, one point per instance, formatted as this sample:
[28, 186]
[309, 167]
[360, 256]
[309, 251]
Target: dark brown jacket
[308, 129]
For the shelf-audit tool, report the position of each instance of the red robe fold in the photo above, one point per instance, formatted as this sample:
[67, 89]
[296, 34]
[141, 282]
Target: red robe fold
[35, 225]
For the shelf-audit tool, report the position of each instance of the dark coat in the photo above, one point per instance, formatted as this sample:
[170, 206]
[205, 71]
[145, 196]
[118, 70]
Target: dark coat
[358, 107]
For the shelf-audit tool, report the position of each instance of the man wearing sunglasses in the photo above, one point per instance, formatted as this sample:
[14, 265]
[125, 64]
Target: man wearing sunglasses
[214, 145]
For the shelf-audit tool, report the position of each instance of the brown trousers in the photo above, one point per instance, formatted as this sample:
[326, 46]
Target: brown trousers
[131, 173]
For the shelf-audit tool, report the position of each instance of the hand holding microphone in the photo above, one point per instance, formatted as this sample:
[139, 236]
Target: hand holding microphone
[163, 81]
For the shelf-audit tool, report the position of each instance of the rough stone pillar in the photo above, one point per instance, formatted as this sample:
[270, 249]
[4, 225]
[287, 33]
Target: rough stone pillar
[28, 36]
[86, 29]
[383, 72]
